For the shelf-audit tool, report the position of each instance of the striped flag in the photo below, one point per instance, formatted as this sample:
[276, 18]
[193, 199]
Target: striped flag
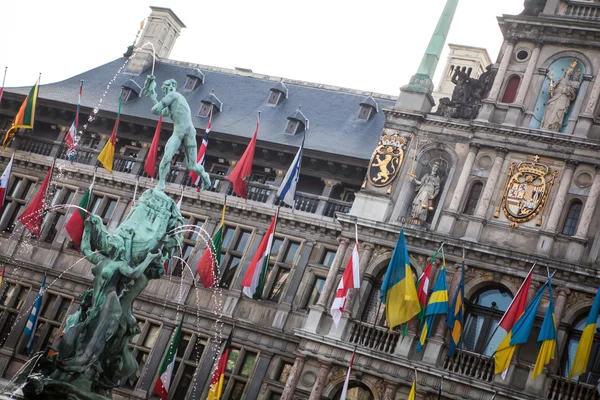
[547, 338]
[287, 190]
[25, 117]
[350, 280]
[584, 348]
[218, 379]
[196, 179]
[455, 320]
[32, 322]
[165, 372]
[107, 155]
[4, 179]
[74, 226]
[438, 304]
[423, 282]
[254, 280]
[71, 136]
[347, 381]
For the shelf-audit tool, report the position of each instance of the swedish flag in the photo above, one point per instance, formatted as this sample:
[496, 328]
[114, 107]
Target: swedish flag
[438, 304]
[548, 338]
[584, 348]
[455, 319]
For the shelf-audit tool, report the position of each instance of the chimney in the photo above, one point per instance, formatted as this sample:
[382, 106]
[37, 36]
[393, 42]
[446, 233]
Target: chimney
[162, 30]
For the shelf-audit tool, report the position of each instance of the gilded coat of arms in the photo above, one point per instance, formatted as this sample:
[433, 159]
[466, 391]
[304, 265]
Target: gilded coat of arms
[386, 159]
[526, 191]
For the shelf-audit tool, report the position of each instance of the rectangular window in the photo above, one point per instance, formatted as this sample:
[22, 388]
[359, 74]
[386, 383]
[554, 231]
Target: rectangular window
[190, 239]
[235, 244]
[190, 350]
[190, 83]
[238, 371]
[283, 258]
[54, 221]
[20, 190]
[141, 346]
[327, 258]
[274, 96]
[205, 109]
[315, 293]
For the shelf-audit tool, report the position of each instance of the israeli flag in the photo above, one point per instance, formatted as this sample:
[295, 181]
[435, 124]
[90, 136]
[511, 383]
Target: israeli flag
[287, 190]
[33, 317]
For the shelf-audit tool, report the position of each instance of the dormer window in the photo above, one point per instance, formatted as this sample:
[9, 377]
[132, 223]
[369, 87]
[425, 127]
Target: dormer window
[368, 107]
[194, 79]
[277, 91]
[210, 103]
[296, 123]
[130, 90]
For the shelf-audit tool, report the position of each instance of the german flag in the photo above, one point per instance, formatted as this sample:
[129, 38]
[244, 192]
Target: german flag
[25, 117]
[218, 379]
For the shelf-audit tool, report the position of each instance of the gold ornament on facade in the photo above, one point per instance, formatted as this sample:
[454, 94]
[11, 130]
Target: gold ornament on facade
[526, 192]
[386, 159]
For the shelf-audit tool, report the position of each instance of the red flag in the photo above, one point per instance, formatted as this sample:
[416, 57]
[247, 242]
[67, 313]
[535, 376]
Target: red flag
[218, 379]
[74, 226]
[518, 304]
[350, 280]
[33, 215]
[240, 174]
[150, 164]
[4, 179]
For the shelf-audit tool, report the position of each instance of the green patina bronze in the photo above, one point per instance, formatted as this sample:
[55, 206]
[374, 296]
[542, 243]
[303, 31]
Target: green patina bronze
[93, 356]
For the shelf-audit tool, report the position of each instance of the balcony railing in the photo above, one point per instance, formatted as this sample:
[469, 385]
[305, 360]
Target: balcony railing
[471, 365]
[334, 206]
[256, 192]
[35, 145]
[583, 10]
[373, 337]
[564, 389]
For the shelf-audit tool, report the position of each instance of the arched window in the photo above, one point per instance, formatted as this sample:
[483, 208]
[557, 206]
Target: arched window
[592, 374]
[485, 309]
[572, 218]
[511, 89]
[356, 391]
[473, 198]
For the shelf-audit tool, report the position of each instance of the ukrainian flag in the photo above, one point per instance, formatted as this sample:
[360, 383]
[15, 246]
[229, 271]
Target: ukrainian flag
[584, 348]
[398, 291]
[438, 304]
[455, 320]
[518, 334]
[548, 338]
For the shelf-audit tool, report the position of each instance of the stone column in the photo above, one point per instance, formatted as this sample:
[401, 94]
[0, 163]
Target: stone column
[488, 105]
[390, 391]
[559, 309]
[290, 385]
[315, 313]
[546, 241]
[449, 217]
[516, 109]
[577, 243]
[586, 118]
[476, 226]
[321, 381]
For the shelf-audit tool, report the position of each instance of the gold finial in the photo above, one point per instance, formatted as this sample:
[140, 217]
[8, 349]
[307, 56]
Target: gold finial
[536, 158]
[573, 63]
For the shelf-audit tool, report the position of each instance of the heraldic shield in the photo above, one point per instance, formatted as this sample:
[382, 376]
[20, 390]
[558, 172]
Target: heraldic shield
[526, 191]
[386, 159]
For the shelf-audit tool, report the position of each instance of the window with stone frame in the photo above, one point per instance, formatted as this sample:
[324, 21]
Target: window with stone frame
[12, 298]
[279, 377]
[141, 345]
[592, 372]
[55, 308]
[284, 254]
[190, 83]
[484, 311]
[188, 248]
[510, 92]
[54, 220]
[189, 353]
[236, 240]
[274, 96]
[20, 189]
[473, 198]
[239, 369]
[103, 205]
[572, 218]
[317, 275]
[205, 110]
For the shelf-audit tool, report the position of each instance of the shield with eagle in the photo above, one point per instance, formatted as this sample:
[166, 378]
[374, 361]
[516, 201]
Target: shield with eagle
[526, 190]
[386, 159]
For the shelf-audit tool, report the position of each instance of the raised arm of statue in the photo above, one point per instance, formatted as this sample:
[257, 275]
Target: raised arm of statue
[162, 107]
[149, 89]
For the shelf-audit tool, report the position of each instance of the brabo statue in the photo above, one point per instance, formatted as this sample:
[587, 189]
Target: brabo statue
[562, 93]
[427, 190]
[174, 106]
[93, 356]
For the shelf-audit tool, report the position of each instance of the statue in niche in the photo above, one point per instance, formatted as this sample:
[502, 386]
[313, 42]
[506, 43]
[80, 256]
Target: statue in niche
[562, 94]
[427, 189]
[467, 95]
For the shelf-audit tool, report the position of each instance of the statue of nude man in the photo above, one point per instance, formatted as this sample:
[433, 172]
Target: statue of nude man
[174, 106]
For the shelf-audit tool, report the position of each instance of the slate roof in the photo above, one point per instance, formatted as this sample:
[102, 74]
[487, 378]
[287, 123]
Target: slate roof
[333, 114]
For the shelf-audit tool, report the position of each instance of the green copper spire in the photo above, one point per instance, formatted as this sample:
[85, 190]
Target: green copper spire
[417, 94]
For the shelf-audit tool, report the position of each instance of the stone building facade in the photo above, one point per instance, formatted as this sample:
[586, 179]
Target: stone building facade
[506, 194]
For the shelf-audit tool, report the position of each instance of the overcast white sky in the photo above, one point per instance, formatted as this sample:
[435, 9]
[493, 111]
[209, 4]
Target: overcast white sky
[373, 45]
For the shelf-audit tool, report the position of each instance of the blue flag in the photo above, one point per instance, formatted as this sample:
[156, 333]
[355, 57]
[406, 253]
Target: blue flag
[455, 318]
[438, 304]
[287, 190]
[32, 322]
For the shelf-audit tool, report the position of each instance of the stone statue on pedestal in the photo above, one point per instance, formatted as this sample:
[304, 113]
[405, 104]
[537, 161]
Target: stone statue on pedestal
[562, 93]
[467, 95]
[427, 190]
[174, 106]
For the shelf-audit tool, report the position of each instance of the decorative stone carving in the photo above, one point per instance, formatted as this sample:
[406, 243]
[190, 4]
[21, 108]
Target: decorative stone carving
[562, 93]
[387, 158]
[467, 94]
[427, 190]
[533, 7]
